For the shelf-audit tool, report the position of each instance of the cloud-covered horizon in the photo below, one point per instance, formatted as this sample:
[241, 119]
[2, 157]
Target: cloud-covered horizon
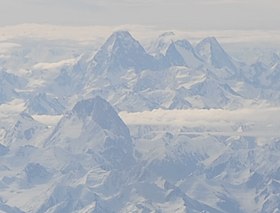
[140, 32]
[179, 14]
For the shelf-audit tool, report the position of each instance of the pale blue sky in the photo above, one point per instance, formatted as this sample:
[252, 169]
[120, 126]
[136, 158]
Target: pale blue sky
[181, 14]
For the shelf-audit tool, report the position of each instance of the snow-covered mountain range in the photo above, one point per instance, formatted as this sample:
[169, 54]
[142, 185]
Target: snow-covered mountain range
[169, 127]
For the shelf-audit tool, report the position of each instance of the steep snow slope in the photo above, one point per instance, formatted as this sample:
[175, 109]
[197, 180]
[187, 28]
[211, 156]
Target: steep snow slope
[43, 104]
[25, 130]
[9, 84]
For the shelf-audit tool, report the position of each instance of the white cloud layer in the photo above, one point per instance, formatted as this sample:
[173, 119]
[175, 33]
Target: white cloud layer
[140, 32]
[250, 121]
[180, 14]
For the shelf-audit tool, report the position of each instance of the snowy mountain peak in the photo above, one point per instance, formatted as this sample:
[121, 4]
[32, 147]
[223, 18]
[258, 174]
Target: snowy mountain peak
[121, 39]
[93, 106]
[210, 50]
[181, 53]
[184, 44]
[94, 127]
[102, 113]
[24, 130]
[166, 34]
[121, 52]
[212, 40]
[269, 58]
[123, 35]
[207, 46]
[159, 47]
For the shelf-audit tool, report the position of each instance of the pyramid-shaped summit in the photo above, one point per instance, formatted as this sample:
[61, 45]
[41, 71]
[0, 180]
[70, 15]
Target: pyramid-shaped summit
[102, 113]
[121, 52]
[212, 52]
[182, 53]
[93, 126]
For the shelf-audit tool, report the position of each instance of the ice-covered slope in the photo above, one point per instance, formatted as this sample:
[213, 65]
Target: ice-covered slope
[43, 104]
[9, 84]
[24, 131]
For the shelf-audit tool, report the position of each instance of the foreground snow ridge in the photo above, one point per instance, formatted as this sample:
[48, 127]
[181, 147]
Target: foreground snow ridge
[172, 127]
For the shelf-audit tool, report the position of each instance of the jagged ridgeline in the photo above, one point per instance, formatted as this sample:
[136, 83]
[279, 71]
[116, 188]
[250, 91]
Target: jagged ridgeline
[68, 142]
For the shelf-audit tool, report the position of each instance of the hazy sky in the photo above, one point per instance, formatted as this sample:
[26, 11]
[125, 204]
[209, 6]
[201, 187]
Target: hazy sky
[182, 14]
